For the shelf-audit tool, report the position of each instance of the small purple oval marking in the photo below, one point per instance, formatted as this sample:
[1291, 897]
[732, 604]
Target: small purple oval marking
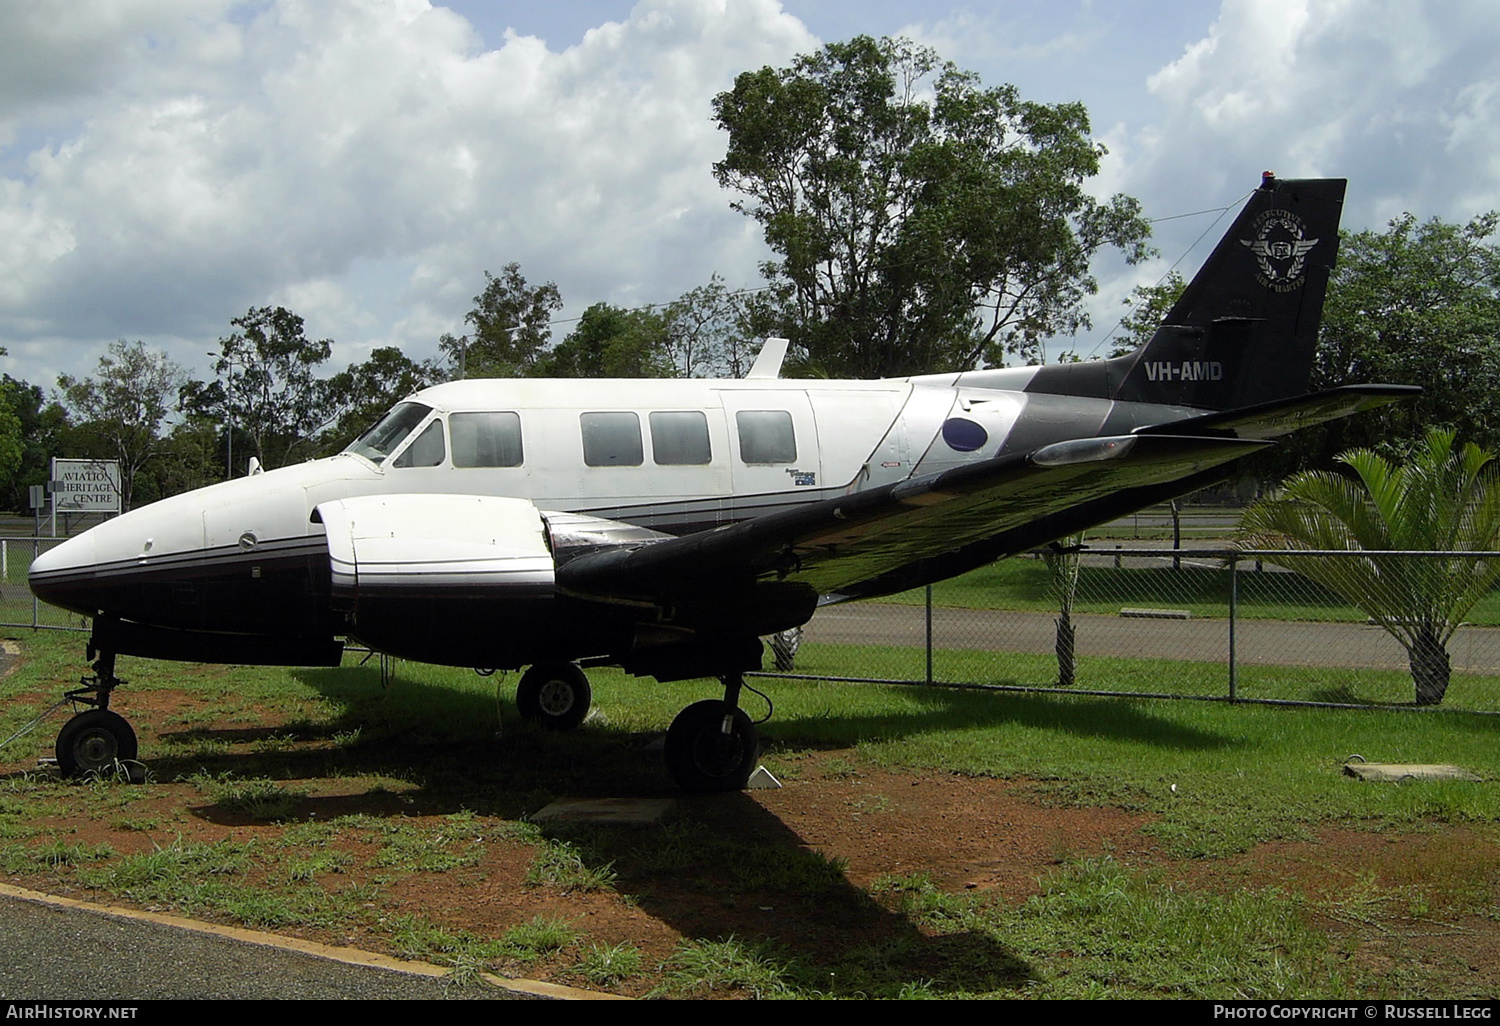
[964, 435]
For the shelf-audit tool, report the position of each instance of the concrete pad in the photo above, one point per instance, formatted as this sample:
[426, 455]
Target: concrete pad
[605, 810]
[1398, 771]
[1158, 614]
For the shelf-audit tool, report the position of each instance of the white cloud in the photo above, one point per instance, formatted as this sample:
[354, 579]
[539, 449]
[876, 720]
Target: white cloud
[1375, 90]
[208, 164]
[166, 164]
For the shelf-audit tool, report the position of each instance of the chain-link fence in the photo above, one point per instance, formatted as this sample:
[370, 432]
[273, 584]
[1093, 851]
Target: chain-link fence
[18, 607]
[1143, 621]
[1153, 621]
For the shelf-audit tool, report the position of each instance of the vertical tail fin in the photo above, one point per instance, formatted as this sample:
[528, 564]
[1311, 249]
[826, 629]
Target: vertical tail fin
[1246, 326]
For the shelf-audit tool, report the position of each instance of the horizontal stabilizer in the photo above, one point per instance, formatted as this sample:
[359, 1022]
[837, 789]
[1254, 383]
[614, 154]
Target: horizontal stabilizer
[1283, 416]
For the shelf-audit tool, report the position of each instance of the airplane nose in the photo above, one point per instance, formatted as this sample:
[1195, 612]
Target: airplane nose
[64, 574]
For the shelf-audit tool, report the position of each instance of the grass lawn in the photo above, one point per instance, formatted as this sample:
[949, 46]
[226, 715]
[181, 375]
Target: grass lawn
[1021, 583]
[375, 796]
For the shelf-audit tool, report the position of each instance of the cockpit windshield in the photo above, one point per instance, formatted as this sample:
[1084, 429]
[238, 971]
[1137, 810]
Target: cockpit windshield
[387, 435]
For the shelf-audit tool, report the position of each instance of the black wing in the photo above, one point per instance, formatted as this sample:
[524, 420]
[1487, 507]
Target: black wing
[775, 568]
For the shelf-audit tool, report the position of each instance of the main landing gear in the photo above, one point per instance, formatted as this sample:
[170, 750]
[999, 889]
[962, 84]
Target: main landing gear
[96, 739]
[554, 696]
[712, 745]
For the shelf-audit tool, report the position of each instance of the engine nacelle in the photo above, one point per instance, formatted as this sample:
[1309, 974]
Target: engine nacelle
[471, 570]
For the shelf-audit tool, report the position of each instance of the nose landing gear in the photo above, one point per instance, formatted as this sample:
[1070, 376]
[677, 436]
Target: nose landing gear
[96, 739]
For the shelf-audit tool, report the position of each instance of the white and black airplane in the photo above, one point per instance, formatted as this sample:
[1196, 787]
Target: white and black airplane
[663, 526]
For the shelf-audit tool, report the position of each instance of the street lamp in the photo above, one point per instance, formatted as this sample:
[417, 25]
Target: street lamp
[228, 415]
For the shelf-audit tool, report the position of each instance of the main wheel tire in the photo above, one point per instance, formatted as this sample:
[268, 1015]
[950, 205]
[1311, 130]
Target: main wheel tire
[702, 756]
[94, 740]
[555, 696]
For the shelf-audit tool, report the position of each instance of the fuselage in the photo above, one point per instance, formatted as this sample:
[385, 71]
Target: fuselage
[596, 457]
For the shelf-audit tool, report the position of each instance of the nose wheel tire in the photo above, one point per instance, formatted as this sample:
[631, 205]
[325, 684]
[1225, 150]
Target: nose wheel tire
[711, 746]
[93, 741]
[554, 696]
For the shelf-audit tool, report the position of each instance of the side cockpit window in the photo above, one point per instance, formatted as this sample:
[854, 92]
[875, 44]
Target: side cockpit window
[426, 451]
[766, 436]
[611, 439]
[679, 438]
[389, 432]
[486, 439]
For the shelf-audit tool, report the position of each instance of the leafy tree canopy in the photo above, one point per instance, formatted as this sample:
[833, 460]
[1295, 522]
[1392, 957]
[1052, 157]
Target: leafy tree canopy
[125, 404]
[707, 329]
[921, 221]
[12, 445]
[1148, 308]
[612, 342]
[42, 427]
[511, 327]
[1416, 304]
[268, 385]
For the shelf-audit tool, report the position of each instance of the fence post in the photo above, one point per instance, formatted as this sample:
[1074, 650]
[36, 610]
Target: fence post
[929, 634]
[36, 612]
[1234, 606]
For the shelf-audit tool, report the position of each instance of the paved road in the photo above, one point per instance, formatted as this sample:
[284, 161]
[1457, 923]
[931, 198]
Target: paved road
[61, 952]
[1257, 642]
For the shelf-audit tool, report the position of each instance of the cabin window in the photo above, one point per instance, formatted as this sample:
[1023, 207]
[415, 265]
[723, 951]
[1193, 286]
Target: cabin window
[485, 439]
[679, 438]
[426, 451]
[389, 432]
[611, 439]
[766, 436]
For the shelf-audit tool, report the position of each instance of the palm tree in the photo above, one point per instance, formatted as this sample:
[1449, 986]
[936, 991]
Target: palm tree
[1062, 558]
[1440, 501]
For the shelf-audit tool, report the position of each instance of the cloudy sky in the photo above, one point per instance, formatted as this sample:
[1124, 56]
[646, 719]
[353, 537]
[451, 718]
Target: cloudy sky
[167, 164]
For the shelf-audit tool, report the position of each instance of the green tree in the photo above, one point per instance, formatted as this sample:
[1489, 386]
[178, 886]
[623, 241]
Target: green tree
[1417, 304]
[921, 221]
[12, 445]
[365, 391]
[612, 342]
[1441, 500]
[43, 426]
[193, 456]
[510, 327]
[268, 386]
[706, 332]
[1148, 307]
[125, 404]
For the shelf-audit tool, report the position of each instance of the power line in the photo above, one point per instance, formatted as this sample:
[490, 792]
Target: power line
[1221, 211]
